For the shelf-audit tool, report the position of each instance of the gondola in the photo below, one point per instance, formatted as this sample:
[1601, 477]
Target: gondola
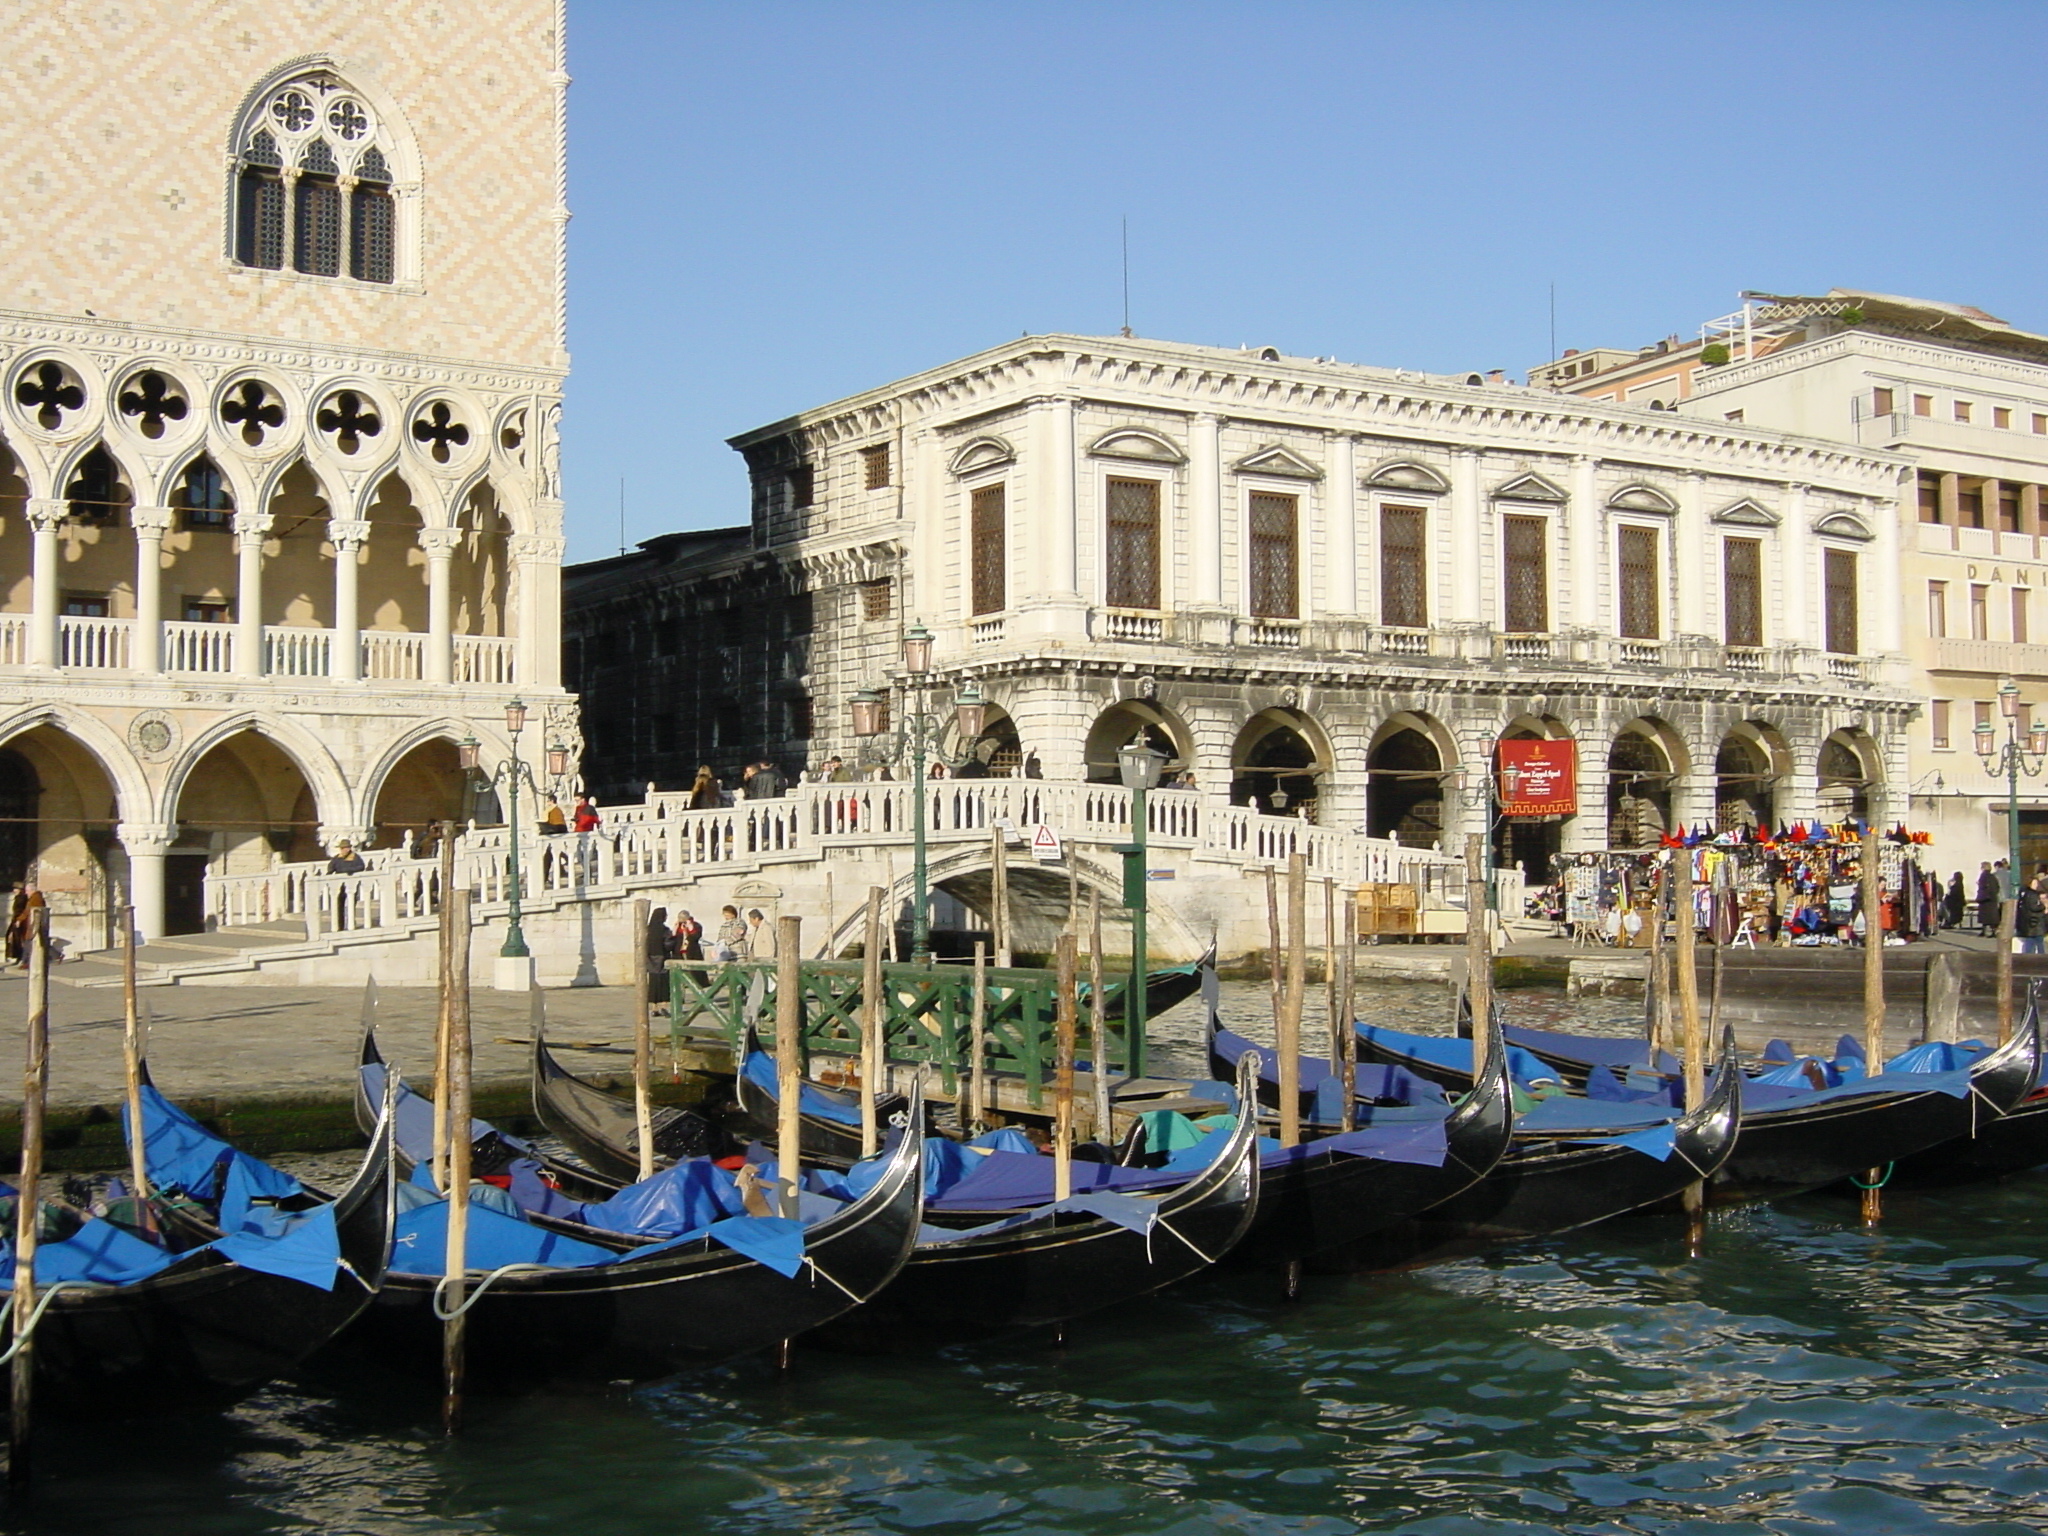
[1796, 1138]
[999, 1253]
[1326, 1194]
[583, 1312]
[1551, 1184]
[210, 1325]
[831, 1117]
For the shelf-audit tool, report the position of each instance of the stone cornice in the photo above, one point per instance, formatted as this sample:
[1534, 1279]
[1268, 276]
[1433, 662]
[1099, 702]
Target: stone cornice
[1901, 349]
[1310, 395]
[127, 340]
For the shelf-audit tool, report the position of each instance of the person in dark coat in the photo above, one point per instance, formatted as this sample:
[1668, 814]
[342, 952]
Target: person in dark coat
[1987, 902]
[2031, 921]
[1955, 902]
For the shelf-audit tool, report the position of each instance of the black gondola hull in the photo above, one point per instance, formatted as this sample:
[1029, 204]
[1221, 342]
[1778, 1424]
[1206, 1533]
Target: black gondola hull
[2013, 1143]
[207, 1331]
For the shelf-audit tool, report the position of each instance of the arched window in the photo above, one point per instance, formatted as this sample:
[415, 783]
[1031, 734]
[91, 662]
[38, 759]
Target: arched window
[314, 184]
[95, 494]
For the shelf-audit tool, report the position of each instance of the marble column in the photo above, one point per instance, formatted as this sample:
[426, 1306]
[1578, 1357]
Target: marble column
[440, 543]
[1586, 528]
[1796, 575]
[1468, 566]
[348, 539]
[146, 647]
[536, 604]
[45, 515]
[1205, 510]
[251, 529]
[146, 845]
[1695, 555]
[1341, 508]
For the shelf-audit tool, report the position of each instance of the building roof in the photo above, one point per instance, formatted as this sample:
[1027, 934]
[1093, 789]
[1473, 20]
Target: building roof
[614, 575]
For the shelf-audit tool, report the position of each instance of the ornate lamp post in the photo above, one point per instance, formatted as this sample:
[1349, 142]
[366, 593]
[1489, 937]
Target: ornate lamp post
[921, 739]
[1140, 767]
[2011, 759]
[1509, 781]
[512, 773]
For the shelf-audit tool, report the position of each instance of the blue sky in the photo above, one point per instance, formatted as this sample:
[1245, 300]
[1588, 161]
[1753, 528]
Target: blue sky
[780, 202]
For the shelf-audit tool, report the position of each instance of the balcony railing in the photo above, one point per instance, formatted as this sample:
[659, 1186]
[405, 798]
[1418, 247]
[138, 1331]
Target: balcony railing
[483, 659]
[1404, 642]
[1525, 647]
[986, 631]
[1847, 668]
[1132, 626]
[88, 642]
[390, 657]
[298, 652]
[1641, 653]
[199, 647]
[1283, 633]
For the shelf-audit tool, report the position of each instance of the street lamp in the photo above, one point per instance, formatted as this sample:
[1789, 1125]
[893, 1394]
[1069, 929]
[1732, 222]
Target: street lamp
[1510, 781]
[922, 737]
[2012, 759]
[512, 773]
[1139, 766]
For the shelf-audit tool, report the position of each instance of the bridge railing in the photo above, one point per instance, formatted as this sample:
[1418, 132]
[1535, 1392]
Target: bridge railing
[662, 839]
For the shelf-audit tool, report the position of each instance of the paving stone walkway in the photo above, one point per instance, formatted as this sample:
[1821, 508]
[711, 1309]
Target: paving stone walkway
[233, 1042]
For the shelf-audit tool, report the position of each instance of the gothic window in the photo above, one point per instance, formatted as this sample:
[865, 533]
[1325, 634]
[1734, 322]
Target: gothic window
[1132, 553]
[1742, 591]
[1275, 579]
[314, 186]
[202, 498]
[317, 221]
[1404, 568]
[1528, 578]
[988, 538]
[372, 232]
[1840, 578]
[1638, 569]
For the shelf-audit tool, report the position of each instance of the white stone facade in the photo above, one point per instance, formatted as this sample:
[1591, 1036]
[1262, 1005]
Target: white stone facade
[280, 514]
[1284, 643]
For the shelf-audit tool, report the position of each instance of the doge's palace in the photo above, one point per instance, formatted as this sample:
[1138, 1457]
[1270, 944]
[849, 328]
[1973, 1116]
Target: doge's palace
[281, 357]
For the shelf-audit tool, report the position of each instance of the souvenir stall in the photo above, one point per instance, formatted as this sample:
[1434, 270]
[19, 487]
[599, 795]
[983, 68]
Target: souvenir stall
[1798, 886]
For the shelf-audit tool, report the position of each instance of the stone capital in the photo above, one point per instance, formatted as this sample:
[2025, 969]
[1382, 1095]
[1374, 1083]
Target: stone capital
[46, 512]
[152, 522]
[537, 546]
[146, 837]
[253, 527]
[346, 535]
[440, 543]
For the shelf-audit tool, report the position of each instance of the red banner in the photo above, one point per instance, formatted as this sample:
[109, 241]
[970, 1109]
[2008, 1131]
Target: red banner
[1539, 778]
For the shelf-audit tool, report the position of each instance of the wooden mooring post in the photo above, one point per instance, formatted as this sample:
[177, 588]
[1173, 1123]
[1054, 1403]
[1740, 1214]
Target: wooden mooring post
[1873, 997]
[28, 1204]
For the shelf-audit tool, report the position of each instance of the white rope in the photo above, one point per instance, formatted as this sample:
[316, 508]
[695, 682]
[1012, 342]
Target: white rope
[50, 1294]
[482, 1285]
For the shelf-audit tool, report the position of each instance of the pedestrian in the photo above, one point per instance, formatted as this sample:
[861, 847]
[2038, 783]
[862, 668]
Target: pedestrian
[936, 771]
[1987, 901]
[585, 817]
[731, 940]
[553, 823]
[704, 792]
[346, 860]
[1954, 902]
[836, 771]
[689, 937]
[17, 925]
[760, 937]
[2031, 922]
[767, 783]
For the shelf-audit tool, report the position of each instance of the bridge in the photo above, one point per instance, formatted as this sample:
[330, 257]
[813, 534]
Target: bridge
[813, 852]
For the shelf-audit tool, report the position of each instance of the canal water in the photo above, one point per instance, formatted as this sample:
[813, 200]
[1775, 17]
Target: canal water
[1802, 1375]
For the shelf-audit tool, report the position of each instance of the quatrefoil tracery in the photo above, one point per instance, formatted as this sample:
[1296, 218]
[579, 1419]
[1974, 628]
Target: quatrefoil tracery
[348, 418]
[437, 427]
[252, 407]
[52, 392]
[152, 401]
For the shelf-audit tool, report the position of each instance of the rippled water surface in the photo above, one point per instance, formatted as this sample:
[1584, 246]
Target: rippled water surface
[1801, 1376]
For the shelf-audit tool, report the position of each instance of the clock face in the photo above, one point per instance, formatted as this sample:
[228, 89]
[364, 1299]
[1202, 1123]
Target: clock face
[153, 735]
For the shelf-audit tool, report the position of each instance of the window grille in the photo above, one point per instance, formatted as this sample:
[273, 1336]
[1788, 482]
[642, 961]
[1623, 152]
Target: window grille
[1528, 580]
[372, 241]
[1639, 616]
[988, 536]
[1131, 556]
[876, 599]
[259, 211]
[1404, 567]
[1841, 602]
[874, 465]
[1742, 591]
[316, 224]
[1275, 578]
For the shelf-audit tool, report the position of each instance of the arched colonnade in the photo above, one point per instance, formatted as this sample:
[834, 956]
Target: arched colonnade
[88, 813]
